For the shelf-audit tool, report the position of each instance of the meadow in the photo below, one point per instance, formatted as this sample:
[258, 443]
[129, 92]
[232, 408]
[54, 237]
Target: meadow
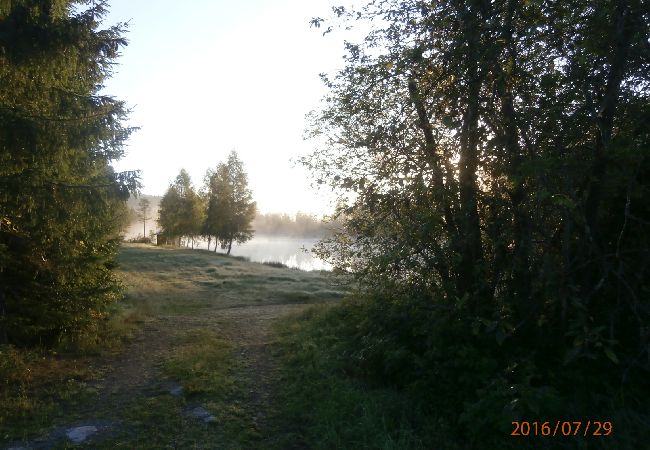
[189, 359]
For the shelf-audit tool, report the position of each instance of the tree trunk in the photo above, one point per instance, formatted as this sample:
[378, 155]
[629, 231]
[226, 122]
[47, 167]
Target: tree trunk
[430, 150]
[3, 313]
[470, 270]
[229, 246]
[434, 164]
[518, 195]
[605, 118]
[209, 241]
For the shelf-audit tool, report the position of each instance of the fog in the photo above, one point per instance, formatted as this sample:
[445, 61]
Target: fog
[290, 251]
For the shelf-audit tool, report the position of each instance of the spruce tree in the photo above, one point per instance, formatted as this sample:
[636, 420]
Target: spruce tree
[180, 209]
[60, 200]
[230, 205]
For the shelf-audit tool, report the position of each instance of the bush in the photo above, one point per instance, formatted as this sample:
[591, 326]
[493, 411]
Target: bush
[276, 264]
[139, 239]
[423, 372]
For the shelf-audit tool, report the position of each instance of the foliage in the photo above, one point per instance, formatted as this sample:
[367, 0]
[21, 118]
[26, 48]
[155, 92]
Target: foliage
[180, 212]
[354, 375]
[491, 161]
[139, 240]
[144, 209]
[61, 203]
[230, 205]
[275, 264]
[326, 408]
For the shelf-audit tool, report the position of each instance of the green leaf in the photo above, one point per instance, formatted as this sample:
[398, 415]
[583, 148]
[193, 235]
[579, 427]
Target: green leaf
[611, 355]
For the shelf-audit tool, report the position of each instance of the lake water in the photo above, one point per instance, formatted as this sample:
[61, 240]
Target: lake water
[290, 251]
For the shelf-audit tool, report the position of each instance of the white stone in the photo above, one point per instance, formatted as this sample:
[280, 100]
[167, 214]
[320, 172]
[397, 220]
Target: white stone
[80, 434]
[176, 390]
[201, 413]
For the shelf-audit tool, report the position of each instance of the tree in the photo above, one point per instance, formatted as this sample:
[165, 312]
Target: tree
[491, 160]
[230, 205]
[144, 207]
[60, 200]
[180, 211]
[168, 217]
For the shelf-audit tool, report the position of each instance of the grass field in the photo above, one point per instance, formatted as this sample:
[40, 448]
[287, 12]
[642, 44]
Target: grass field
[185, 361]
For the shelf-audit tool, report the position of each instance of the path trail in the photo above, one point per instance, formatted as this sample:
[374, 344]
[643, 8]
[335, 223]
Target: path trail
[175, 293]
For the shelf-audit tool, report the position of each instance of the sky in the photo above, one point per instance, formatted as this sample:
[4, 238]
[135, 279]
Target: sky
[204, 77]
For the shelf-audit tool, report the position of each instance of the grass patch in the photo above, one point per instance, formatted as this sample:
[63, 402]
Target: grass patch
[295, 296]
[202, 361]
[160, 422]
[42, 389]
[335, 410]
[34, 384]
[282, 278]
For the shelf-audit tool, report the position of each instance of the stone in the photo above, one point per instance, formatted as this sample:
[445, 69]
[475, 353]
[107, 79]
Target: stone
[80, 434]
[202, 414]
[176, 390]
[199, 412]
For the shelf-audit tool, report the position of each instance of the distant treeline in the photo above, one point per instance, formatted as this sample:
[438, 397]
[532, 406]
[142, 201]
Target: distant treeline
[277, 224]
[302, 224]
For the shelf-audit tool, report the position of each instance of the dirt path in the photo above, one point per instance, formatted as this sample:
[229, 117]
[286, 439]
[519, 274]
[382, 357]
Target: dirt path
[219, 400]
[136, 370]
[250, 329]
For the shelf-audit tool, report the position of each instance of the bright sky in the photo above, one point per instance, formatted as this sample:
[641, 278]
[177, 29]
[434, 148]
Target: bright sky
[207, 76]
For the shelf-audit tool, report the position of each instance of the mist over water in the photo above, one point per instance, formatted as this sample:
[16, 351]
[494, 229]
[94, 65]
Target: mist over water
[293, 252]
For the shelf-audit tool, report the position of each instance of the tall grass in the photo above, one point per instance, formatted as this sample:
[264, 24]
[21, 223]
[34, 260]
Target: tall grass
[328, 408]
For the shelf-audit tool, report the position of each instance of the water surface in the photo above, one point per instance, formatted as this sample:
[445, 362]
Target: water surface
[290, 251]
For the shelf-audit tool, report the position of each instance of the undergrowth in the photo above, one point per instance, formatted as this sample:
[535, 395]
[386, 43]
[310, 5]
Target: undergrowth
[389, 374]
[328, 407]
[33, 384]
[39, 385]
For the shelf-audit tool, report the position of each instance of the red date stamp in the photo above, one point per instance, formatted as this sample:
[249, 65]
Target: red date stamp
[562, 428]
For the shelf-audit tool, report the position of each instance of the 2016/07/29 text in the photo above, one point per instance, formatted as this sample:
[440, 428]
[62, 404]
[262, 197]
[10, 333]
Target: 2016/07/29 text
[562, 428]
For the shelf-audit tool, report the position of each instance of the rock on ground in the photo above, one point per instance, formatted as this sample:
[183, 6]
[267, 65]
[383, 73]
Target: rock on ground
[80, 434]
[202, 414]
[176, 390]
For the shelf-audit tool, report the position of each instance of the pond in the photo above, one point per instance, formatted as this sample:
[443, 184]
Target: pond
[290, 251]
